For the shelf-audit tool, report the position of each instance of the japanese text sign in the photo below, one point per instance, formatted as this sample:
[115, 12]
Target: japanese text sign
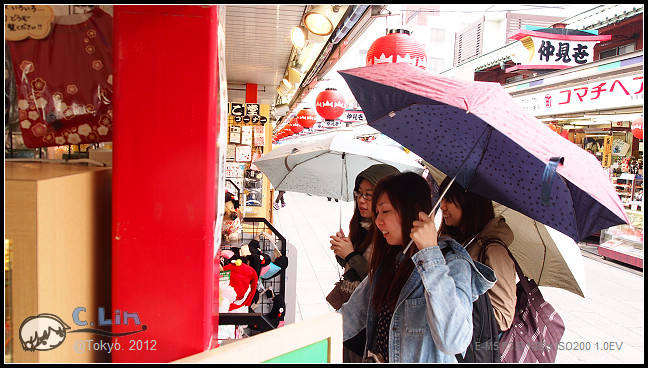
[543, 50]
[22, 21]
[615, 92]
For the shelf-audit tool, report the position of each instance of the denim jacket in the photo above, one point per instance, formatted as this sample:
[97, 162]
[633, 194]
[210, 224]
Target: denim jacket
[432, 320]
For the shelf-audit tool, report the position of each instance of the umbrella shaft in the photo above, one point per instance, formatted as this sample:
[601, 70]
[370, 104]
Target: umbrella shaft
[402, 256]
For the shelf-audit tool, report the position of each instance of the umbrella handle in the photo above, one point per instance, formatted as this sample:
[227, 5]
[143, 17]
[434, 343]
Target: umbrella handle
[403, 255]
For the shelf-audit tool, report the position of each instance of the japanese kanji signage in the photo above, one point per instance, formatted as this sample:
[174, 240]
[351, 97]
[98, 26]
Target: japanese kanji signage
[352, 116]
[22, 21]
[615, 92]
[606, 159]
[247, 113]
[544, 50]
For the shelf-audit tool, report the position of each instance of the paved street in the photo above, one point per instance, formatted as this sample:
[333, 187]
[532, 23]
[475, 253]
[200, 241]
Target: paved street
[605, 327]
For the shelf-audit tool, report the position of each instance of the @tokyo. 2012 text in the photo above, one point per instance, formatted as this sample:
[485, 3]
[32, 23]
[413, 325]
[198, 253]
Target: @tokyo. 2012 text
[81, 346]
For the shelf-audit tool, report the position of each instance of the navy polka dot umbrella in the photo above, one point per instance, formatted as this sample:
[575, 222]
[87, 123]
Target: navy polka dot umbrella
[476, 133]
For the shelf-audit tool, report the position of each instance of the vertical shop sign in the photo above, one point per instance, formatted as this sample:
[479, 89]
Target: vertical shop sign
[606, 160]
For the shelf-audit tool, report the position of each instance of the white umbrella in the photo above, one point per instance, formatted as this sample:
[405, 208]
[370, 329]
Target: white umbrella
[328, 167]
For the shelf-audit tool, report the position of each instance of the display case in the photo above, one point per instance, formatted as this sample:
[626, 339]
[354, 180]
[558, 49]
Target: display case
[624, 243]
[630, 190]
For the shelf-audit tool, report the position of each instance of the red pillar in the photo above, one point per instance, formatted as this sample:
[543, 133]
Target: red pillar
[165, 174]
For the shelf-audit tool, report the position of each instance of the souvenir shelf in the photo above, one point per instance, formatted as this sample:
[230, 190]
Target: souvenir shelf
[624, 243]
[630, 190]
[260, 316]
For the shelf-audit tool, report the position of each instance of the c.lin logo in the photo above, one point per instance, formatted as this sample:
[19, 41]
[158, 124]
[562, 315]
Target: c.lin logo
[47, 331]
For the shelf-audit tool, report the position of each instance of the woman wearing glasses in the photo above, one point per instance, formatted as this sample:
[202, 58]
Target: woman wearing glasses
[353, 252]
[415, 308]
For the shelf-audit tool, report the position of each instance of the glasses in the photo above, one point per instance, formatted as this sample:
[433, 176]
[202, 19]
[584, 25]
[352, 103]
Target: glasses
[366, 197]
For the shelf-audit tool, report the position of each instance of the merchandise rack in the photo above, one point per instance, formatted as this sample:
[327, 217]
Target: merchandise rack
[272, 243]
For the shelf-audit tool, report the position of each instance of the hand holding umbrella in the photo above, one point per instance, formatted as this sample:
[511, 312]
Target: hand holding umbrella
[424, 233]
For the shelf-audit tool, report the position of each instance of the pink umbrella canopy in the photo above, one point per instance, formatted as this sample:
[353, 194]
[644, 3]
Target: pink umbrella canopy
[478, 133]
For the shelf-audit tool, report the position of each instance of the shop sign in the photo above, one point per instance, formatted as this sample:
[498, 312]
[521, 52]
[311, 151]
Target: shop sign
[23, 21]
[606, 159]
[247, 113]
[543, 50]
[331, 124]
[350, 116]
[252, 109]
[609, 93]
[237, 109]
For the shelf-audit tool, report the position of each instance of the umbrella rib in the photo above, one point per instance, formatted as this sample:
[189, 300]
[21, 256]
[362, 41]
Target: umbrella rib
[488, 137]
[544, 256]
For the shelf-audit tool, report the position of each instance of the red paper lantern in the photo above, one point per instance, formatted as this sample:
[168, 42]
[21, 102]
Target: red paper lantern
[306, 117]
[294, 126]
[553, 127]
[637, 128]
[396, 47]
[330, 104]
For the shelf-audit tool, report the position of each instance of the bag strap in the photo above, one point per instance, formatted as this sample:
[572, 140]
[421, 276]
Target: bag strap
[523, 279]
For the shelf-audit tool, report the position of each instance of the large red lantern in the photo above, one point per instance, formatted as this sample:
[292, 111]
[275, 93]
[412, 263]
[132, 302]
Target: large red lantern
[330, 104]
[294, 126]
[306, 117]
[637, 128]
[396, 47]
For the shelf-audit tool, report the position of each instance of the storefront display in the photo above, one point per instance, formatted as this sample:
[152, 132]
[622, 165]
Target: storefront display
[248, 139]
[624, 243]
[65, 82]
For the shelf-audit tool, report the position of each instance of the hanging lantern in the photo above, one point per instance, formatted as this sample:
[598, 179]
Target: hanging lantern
[637, 128]
[306, 117]
[396, 47]
[294, 126]
[287, 131]
[330, 104]
[553, 127]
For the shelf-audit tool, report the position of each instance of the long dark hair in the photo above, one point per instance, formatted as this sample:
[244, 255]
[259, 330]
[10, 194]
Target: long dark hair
[409, 194]
[359, 236]
[477, 211]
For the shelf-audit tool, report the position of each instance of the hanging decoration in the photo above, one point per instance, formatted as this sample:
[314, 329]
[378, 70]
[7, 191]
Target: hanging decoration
[330, 104]
[295, 127]
[637, 128]
[396, 47]
[306, 117]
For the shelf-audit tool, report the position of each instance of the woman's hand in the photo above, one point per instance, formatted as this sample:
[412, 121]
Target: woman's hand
[341, 245]
[424, 233]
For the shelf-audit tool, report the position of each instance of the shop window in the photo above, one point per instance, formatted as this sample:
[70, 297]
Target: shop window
[619, 50]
